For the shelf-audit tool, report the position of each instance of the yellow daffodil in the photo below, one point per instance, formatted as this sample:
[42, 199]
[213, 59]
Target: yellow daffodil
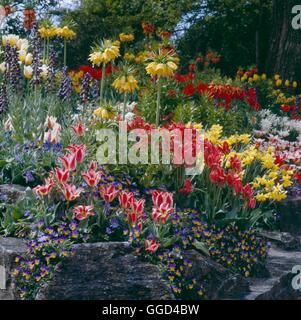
[295, 84]
[287, 83]
[264, 77]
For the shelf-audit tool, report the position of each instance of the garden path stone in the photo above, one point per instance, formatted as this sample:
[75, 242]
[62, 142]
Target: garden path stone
[280, 263]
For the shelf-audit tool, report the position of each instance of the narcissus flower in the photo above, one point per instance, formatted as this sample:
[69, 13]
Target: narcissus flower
[28, 72]
[106, 52]
[126, 37]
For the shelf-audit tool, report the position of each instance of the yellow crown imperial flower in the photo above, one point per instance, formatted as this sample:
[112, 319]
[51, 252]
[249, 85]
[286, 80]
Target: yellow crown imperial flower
[125, 84]
[108, 51]
[162, 64]
[48, 32]
[65, 32]
[104, 114]
[126, 37]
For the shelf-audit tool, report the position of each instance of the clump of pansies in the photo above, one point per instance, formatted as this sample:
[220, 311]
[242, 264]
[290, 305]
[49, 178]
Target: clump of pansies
[47, 247]
[238, 250]
[231, 246]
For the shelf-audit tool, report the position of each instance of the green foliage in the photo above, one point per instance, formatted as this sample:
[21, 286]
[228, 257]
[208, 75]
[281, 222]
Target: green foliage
[106, 19]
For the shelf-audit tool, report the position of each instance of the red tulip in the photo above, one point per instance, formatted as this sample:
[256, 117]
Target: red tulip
[151, 246]
[162, 213]
[83, 212]
[69, 162]
[108, 193]
[92, 177]
[43, 190]
[160, 197]
[126, 200]
[217, 175]
[187, 189]
[61, 175]
[70, 192]
[79, 151]
[79, 129]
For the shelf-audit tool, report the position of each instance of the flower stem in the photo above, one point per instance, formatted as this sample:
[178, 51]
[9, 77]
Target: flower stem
[65, 53]
[102, 83]
[124, 106]
[159, 90]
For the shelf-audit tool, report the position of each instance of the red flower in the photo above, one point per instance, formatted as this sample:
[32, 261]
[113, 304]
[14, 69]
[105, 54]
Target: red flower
[108, 193]
[252, 203]
[79, 151]
[79, 129]
[235, 182]
[69, 162]
[148, 27]
[92, 177]
[248, 191]
[225, 148]
[62, 176]
[285, 108]
[187, 189]
[151, 246]
[43, 190]
[235, 163]
[126, 200]
[160, 197]
[162, 213]
[83, 212]
[217, 175]
[189, 90]
[70, 192]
